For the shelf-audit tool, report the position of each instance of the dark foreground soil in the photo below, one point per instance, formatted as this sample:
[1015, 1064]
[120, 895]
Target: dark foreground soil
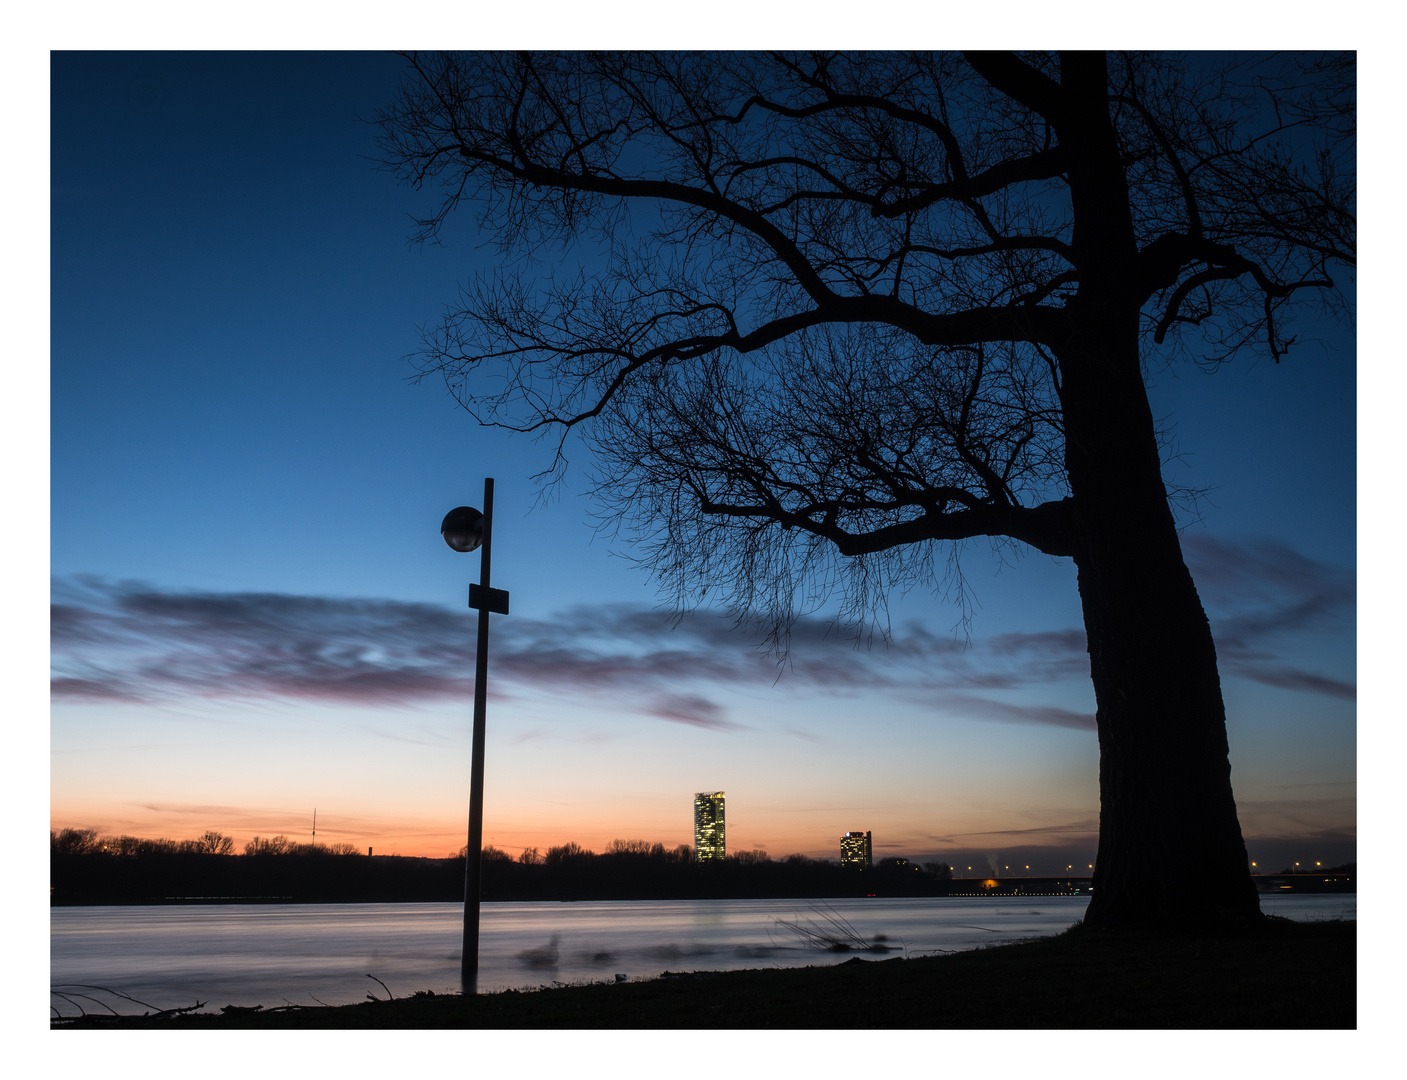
[1289, 975]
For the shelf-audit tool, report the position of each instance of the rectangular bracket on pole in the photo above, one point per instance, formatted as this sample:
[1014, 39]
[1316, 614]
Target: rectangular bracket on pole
[497, 601]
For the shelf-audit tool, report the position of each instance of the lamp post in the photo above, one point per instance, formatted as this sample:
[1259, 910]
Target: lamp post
[465, 529]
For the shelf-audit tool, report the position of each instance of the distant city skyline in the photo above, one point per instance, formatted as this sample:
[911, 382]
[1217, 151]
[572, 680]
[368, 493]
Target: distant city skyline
[855, 848]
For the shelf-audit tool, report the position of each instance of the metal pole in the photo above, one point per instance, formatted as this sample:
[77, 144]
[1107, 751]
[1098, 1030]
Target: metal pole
[474, 861]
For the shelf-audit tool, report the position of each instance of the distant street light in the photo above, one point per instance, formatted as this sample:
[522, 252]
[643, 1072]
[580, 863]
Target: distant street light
[465, 529]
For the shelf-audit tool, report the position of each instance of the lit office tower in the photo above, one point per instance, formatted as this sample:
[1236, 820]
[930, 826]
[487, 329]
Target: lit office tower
[708, 826]
[855, 850]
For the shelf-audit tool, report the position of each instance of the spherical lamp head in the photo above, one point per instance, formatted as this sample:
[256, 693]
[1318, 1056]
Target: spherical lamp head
[463, 528]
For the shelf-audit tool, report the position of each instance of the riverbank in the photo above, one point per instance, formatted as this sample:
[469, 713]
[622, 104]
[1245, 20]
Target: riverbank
[97, 877]
[1288, 975]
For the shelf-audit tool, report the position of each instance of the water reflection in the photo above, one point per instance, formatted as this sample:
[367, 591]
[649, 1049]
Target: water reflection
[302, 954]
[544, 957]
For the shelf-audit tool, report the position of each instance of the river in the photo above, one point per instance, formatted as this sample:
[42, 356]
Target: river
[277, 954]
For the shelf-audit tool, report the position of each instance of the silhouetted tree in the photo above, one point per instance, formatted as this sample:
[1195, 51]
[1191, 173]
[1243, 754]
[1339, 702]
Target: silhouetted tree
[275, 845]
[127, 846]
[143, 846]
[312, 847]
[568, 852]
[845, 308]
[73, 841]
[214, 843]
[634, 847]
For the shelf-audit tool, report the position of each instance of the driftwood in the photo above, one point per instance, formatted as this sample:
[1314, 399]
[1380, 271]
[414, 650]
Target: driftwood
[372, 997]
[69, 992]
[833, 933]
[73, 994]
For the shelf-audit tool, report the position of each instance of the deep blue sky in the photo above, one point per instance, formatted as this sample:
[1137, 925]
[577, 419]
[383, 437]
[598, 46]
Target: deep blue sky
[232, 278]
[259, 617]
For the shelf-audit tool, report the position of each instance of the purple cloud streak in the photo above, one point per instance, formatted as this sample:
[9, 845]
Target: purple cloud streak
[125, 642]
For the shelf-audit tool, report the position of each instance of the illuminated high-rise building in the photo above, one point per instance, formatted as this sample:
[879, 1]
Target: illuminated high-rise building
[855, 850]
[709, 842]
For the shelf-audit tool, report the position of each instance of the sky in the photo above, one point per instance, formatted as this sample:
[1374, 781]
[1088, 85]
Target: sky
[254, 616]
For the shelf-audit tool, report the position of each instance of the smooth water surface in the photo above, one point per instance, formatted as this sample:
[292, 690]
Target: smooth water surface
[276, 954]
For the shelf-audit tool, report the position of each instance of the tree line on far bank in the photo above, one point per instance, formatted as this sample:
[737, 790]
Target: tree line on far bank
[629, 869]
[86, 868]
[617, 851]
[210, 842]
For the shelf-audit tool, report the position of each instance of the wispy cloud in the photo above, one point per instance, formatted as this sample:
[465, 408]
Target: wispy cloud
[127, 642]
[1302, 817]
[690, 709]
[1292, 679]
[1260, 592]
[1083, 827]
[1003, 712]
[188, 818]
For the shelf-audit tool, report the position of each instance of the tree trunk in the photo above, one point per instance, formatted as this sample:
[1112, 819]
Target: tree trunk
[1170, 846]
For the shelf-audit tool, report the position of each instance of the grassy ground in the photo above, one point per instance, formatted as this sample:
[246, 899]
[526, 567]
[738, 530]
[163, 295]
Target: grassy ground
[1287, 976]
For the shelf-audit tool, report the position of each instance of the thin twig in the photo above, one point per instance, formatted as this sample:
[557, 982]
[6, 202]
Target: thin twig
[183, 1009]
[82, 1011]
[390, 996]
[114, 993]
[88, 997]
